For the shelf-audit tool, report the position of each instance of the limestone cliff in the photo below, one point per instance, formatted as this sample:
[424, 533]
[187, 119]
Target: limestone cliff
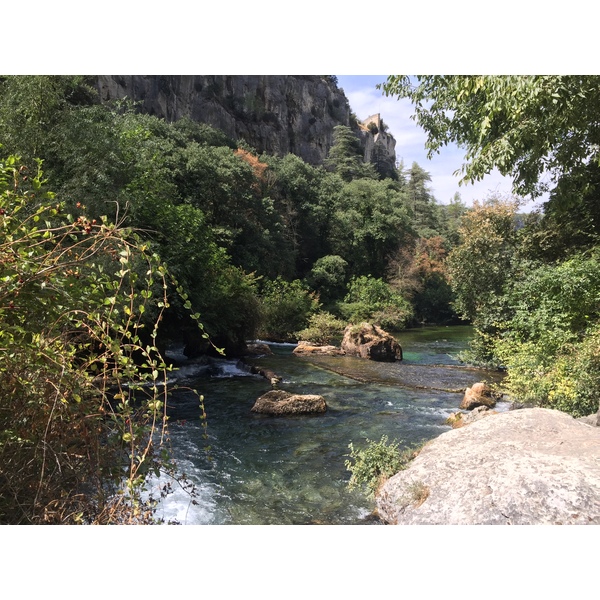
[379, 146]
[277, 114]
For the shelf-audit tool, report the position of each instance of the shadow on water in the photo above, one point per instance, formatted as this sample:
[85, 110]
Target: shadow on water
[290, 470]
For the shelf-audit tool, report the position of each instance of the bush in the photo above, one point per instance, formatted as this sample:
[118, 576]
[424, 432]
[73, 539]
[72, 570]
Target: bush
[328, 278]
[80, 396]
[375, 463]
[549, 343]
[567, 380]
[286, 307]
[323, 328]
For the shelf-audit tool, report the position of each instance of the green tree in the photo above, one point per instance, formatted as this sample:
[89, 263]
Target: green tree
[450, 216]
[329, 277]
[346, 157]
[372, 299]
[481, 268]
[525, 126]
[33, 106]
[549, 338]
[422, 202]
[155, 178]
[482, 264]
[304, 196]
[370, 221]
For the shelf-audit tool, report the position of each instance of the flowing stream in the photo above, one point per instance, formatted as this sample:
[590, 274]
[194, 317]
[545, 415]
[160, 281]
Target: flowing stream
[290, 470]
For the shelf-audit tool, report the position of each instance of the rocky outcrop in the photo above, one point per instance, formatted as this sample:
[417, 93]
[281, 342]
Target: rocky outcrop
[379, 146]
[479, 394]
[309, 349]
[276, 114]
[280, 402]
[529, 466]
[370, 341]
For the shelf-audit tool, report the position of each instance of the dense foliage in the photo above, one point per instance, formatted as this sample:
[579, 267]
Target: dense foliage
[220, 216]
[537, 319]
[82, 410]
[525, 126]
[323, 329]
[529, 283]
[375, 301]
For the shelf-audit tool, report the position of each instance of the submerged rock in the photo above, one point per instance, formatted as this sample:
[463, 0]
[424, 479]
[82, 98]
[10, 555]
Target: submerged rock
[258, 349]
[280, 402]
[529, 466]
[310, 349]
[459, 419]
[370, 341]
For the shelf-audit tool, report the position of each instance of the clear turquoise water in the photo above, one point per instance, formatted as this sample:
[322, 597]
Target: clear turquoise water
[290, 470]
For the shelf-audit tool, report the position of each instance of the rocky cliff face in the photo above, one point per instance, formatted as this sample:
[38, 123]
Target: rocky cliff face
[277, 114]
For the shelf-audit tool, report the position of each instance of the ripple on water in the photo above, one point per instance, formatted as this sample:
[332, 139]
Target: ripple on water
[290, 470]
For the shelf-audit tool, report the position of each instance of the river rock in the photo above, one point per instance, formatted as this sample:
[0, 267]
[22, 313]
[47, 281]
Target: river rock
[258, 349]
[267, 374]
[479, 394]
[310, 349]
[370, 341]
[525, 467]
[459, 419]
[280, 402]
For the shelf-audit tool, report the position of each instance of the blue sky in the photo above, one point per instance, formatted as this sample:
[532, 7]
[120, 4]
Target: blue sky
[366, 100]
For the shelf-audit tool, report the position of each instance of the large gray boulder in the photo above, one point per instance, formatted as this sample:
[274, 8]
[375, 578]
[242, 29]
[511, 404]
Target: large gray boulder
[370, 341]
[530, 466]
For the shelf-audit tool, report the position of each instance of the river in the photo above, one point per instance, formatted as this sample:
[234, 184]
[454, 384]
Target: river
[290, 470]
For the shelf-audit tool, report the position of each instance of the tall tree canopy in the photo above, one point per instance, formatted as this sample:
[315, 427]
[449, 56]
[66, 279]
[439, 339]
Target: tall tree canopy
[525, 126]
